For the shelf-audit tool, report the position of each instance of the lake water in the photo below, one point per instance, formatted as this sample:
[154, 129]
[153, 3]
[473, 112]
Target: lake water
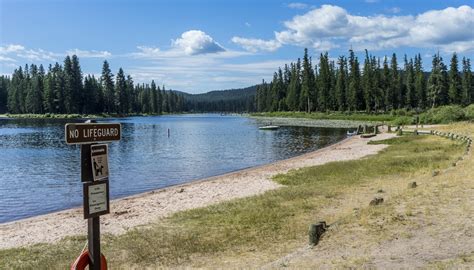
[40, 174]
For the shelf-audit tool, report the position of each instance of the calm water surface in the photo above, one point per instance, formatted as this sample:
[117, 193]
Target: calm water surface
[40, 174]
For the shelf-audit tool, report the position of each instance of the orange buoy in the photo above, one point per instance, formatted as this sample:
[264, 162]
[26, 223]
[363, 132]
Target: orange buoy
[84, 260]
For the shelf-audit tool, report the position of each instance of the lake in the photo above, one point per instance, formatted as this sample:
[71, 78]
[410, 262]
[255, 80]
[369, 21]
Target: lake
[40, 174]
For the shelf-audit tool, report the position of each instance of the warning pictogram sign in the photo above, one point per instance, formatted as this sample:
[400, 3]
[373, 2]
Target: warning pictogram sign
[100, 163]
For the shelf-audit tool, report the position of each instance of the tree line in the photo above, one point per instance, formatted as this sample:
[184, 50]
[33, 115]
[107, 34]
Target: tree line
[63, 89]
[379, 87]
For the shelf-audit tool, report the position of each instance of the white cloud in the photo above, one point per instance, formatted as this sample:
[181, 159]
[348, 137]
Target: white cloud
[196, 42]
[89, 54]
[248, 24]
[395, 10]
[330, 26]
[6, 59]
[8, 52]
[297, 5]
[11, 48]
[254, 45]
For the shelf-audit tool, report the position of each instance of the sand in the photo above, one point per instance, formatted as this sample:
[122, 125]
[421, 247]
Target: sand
[145, 208]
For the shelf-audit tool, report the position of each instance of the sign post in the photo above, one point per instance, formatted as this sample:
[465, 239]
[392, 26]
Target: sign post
[95, 177]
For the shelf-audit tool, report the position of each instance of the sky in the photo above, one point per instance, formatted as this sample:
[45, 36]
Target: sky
[198, 46]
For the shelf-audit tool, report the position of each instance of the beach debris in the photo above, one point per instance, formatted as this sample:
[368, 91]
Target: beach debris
[376, 201]
[412, 185]
[119, 213]
[316, 231]
[181, 190]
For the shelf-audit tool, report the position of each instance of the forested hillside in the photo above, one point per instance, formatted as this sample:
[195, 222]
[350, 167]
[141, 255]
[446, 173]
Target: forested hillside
[380, 86]
[62, 89]
[233, 100]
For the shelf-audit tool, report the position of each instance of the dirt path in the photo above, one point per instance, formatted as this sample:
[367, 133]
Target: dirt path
[144, 208]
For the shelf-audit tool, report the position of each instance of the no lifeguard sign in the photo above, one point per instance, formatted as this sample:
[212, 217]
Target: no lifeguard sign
[95, 178]
[92, 132]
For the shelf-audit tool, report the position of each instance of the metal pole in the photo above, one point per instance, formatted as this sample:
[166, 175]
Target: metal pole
[93, 239]
[93, 224]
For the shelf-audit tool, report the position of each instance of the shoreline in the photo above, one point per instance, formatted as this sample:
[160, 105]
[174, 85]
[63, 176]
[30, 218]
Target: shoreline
[148, 207]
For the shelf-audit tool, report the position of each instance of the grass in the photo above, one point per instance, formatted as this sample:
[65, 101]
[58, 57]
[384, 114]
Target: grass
[331, 116]
[252, 230]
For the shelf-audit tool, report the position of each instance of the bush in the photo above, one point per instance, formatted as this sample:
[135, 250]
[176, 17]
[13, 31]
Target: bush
[469, 112]
[403, 120]
[443, 115]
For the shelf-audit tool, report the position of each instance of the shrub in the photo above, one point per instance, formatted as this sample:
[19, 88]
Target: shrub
[469, 112]
[443, 115]
[403, 120]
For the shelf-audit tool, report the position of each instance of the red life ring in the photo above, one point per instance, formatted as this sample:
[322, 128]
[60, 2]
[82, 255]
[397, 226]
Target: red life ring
[84, 260]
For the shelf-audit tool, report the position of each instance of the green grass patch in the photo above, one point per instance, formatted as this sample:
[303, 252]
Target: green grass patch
[267, 223]
[331, 116]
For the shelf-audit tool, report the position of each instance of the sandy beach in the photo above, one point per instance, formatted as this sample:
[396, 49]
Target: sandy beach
[148, 207]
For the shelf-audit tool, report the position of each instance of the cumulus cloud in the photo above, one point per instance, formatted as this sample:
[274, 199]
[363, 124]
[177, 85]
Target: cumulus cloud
[297, 5]
[254, 45]
[89, 54]
[8, 52]
[330, 26]
[196, 42]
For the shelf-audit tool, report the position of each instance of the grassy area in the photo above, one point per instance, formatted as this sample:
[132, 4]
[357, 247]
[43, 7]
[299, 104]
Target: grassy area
[253, 230]
[439, 115]
[331, 116]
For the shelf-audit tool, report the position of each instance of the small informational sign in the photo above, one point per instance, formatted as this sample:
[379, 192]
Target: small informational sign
[100, 162]
[96, 198]
[84, 133]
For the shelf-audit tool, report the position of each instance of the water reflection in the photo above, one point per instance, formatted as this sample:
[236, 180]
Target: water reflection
[39, 173]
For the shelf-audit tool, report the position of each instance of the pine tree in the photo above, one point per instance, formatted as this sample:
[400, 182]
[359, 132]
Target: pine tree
[76, 83]
[367, 82]
[121, 101]
[341, 84]
[131, 96]
[294, 88]
[324, 83]
[395, 84]
[455, 89]
[410, 85]
[307, 84]
[467, 82]
[107, 84]
[354, 93]
[4, 83]
[420, 83]
[34, 96]
[437, 83]
[69, 102]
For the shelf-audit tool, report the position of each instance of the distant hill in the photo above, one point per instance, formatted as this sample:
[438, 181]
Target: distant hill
[232, 100]
[218, 95]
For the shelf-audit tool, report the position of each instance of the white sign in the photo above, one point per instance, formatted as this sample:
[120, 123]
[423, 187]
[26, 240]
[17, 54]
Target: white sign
[98, 198]
[100, 162]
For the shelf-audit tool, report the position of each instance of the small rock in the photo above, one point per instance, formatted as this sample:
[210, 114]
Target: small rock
[435, 173]
[376, 201]
[181, 190]
[412, 185]
[380, 191]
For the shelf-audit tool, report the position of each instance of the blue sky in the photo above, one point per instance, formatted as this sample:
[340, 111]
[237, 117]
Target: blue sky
[197, 46]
